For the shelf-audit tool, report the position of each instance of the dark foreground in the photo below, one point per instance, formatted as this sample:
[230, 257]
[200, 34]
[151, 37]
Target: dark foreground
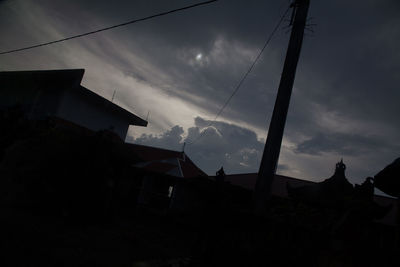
[154, 240]
[71, 199]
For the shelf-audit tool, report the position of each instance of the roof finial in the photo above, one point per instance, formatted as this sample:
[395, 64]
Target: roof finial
[340, 167]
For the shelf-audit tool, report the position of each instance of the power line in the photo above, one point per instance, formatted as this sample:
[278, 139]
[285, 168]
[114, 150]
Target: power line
[243, 78]
[109, 28]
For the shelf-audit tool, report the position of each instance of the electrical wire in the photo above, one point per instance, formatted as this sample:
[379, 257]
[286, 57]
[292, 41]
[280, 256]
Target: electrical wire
[107, 28]
[243, 78]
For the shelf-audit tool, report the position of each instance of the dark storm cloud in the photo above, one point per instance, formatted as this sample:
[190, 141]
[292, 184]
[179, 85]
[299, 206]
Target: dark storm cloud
[345, 99]
[346, 86]
[349, 61]
[343, 144]
[353, 66]
[228, 40]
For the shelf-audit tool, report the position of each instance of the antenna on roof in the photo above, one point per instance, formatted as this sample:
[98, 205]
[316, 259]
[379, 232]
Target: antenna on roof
[112, 99]
[183, 151]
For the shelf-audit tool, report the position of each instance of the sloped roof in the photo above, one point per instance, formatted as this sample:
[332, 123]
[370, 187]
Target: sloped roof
[161, 160]
[63, 79]
[248, 181]
[110, 106]
[157, 166]
[387, 179]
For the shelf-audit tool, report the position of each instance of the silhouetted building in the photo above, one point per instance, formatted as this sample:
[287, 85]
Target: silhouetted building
[59, 94]
[165, 161]
[167, 175]
[168, 181]
[388, 180]
[326, 192]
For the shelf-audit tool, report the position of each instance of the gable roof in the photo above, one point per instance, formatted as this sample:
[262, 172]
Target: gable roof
[69, 79]
[166, 161]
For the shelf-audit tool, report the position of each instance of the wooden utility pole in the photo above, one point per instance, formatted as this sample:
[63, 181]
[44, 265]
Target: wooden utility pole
[277, 125]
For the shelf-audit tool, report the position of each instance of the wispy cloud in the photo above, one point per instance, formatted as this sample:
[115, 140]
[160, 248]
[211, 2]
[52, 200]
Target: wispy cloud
[182, 68]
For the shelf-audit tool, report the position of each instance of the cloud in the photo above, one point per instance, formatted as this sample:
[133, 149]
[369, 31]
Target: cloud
[235, 148]
[345, 98]
[342, 144]
[239, 150]
[171, 139]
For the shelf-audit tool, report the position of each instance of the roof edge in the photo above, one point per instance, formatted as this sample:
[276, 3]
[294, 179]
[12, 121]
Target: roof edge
[135, 120]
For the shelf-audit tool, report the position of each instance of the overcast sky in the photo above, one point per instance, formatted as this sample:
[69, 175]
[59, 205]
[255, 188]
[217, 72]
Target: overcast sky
[181, 68]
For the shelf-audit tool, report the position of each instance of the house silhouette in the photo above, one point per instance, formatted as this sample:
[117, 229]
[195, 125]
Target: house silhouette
[59, 95]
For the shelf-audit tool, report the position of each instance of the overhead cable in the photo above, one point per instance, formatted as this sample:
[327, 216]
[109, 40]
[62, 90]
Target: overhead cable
[108, 28]
[243, 78]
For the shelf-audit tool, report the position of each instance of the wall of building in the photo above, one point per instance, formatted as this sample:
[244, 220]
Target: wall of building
[11, 95]
[36, 92]
[77, 108]
[37, 102]
[45, 104]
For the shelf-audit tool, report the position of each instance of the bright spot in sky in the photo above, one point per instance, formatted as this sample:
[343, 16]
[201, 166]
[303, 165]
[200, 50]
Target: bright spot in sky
[199, 56]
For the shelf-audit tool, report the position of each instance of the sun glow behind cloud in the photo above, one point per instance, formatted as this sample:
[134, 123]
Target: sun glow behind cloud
[183, 75]
[199, 56]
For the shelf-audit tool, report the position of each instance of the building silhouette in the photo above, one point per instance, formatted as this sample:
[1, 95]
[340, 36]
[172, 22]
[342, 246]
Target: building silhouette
[59, 95]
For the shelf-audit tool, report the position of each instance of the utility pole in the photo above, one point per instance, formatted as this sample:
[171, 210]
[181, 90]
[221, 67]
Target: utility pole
[272, 147]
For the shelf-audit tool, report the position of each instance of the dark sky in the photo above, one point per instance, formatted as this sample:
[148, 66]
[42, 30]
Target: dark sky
[182, 67]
